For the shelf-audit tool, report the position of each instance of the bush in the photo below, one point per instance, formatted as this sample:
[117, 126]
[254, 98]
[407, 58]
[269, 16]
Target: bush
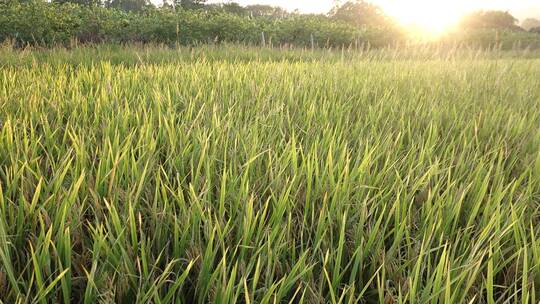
[491, 38]
[46, 24]
[41, 23]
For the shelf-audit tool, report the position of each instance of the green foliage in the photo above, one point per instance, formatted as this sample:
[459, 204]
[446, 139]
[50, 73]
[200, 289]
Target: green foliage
[128, 5]
[491, 38]
[234, 8]
[361, 14]
[81, 2]
[247, 175]
[489, 20]
[298, 30]
[379, 29]
[189, 4]
[259, 10]
[38, 22]
[49, 24]
[493, 29]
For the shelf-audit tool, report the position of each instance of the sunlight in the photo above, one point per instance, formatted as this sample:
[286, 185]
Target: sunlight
[426, 17]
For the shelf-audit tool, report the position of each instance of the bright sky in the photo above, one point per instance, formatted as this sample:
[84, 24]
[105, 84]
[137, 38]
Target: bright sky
[433, 15]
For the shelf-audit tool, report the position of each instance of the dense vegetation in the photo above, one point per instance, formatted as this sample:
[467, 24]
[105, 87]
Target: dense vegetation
[353, 25]
[238, 175]
[51, 24]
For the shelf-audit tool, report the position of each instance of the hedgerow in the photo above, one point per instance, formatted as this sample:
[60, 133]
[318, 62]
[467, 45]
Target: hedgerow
[46, 24]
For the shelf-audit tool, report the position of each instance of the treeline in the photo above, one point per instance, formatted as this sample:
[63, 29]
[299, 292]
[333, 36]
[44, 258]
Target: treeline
[42, 23]
[354, 24]
[489, 29]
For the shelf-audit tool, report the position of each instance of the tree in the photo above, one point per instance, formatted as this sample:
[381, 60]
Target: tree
[233, 8]
[189, 4]
[489, 20]
[229, 7]
[80, 2]
[260, 10]
[361, 14]
[530, 23]
[128, 5]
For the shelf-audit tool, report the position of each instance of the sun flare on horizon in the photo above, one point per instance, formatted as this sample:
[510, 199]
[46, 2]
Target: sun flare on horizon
[425, 17]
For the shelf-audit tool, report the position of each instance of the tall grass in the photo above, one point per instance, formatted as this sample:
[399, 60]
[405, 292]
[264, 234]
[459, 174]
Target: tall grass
[319, 180]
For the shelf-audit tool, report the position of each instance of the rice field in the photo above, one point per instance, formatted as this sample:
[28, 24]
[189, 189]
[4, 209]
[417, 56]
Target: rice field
[243, 175]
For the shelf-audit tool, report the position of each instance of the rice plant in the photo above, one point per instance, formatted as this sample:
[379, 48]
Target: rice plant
[241, 175]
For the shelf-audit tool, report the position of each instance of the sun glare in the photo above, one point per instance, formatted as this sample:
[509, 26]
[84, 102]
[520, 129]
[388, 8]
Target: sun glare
[425, 17]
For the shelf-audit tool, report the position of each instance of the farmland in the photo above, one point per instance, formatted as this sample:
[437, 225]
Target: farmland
[248, 175]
